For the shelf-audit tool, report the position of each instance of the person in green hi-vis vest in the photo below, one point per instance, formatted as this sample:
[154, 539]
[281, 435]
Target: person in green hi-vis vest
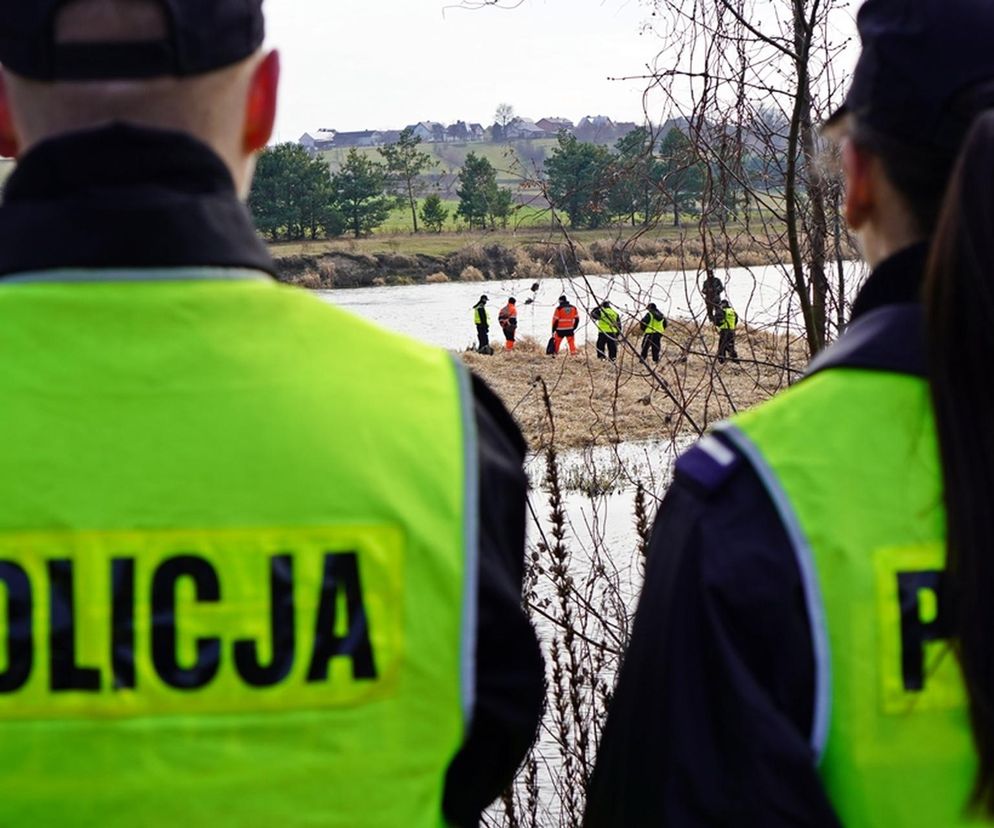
[246, 573]
[813, 642]
[608, 330]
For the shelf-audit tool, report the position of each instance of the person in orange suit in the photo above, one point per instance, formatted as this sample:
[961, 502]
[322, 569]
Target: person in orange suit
[565, 321]
[508, 319]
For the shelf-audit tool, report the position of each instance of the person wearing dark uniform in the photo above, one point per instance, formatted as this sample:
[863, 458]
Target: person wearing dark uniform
[711, 289]
[237, 589]
[508, 321]
[608, 330]
[726, 322]
[653, 328]
[812, 644]
[482, 322]
[565, 321]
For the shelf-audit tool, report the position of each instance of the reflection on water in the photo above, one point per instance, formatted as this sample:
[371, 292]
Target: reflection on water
[442, 314]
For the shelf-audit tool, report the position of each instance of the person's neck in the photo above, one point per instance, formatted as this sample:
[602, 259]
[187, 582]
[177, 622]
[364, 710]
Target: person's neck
[883, 241]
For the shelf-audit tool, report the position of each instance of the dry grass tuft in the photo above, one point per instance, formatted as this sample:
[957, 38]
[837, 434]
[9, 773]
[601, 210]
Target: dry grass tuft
[471, 274]
[437, 278]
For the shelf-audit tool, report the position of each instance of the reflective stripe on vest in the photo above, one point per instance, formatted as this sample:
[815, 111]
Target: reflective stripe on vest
[566, 318]
[234, 593]
[609, 321]
[850, 459]
[655, 325]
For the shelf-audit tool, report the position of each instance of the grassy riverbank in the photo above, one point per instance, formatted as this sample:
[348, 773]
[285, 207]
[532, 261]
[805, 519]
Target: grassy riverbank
[596, 402]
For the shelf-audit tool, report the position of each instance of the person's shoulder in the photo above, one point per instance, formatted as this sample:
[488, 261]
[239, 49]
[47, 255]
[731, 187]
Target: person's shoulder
[708, 466]
[495, 425]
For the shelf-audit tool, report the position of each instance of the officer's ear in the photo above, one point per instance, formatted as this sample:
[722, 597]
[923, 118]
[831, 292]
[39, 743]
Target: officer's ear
[10, 146]
[260, 111]
[858, 169]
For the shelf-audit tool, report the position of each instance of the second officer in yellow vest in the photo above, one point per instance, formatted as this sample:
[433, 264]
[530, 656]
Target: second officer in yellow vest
[813, 642]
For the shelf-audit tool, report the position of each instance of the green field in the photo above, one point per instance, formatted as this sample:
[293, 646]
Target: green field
[515, 162]
[524, 217]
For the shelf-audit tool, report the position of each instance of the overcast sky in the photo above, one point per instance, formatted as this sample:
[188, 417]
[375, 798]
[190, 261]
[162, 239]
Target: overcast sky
[380, 64]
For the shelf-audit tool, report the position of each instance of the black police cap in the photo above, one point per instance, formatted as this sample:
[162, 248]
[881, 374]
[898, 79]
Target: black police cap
[926, 70]
[204, 35]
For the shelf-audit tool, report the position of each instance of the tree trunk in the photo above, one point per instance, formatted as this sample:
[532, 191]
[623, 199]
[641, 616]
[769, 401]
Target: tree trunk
[801, 134]
[414, 204]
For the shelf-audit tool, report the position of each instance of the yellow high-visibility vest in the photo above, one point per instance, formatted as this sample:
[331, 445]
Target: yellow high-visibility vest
[236, 589]
[850, 459]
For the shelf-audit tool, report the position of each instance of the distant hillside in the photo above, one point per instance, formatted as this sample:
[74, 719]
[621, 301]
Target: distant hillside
[515, 155]
[516, 162]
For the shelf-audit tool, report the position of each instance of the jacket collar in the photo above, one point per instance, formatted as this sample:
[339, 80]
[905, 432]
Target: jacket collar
[125, 197]
[887, 331]
[895, 281]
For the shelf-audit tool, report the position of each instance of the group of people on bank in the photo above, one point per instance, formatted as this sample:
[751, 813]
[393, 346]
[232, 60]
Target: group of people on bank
[610, 328]
[262, 562]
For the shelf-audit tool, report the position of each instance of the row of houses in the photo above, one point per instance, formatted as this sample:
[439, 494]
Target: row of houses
[593, 128]
[430, 132]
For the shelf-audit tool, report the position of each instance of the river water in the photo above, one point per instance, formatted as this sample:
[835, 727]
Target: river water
[442, 314]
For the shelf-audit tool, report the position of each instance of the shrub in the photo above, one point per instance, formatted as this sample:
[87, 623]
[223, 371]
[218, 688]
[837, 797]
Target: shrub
[398, 261]
[437, 278]
[308, 279]
[527, 268]
[472, 255]
[326, 273]
[589, 267]
[471, 274]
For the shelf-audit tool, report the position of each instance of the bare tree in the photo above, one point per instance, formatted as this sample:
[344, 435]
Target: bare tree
[753, 80]
[503, 117]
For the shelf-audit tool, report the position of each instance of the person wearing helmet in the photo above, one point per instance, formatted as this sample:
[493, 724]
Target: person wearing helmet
[813, 642]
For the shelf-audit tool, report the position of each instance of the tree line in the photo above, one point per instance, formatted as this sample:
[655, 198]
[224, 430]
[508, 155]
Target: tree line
[641, 179]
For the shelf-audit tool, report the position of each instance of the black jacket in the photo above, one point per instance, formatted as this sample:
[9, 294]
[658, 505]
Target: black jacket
[714, 703]
[122, 197]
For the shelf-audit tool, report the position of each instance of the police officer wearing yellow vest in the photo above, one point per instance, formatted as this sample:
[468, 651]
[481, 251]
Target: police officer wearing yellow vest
[238, 586]
[726, 321]
[482, 322]
[813, 644]
[608, 329]
[653, 328]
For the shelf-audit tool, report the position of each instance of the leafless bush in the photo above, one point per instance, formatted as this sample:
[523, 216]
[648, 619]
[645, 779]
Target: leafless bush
[591, 267]
[471, 274]
[437, 278]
